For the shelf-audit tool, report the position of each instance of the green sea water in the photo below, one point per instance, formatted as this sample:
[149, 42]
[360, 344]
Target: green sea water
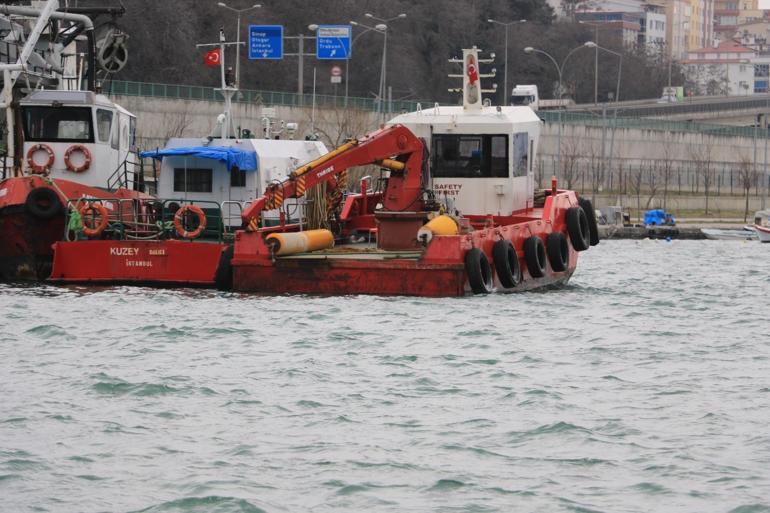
[642, 386]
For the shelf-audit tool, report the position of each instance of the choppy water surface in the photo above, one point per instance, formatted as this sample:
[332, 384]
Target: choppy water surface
[643, 386]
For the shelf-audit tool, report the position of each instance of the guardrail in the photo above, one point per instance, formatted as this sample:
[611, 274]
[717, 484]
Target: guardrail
[252, 96]
[589, 119]
[280, 98]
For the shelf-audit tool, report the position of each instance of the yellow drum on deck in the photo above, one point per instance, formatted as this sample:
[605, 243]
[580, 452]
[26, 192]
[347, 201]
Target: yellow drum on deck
[440, 225]
[291, 243]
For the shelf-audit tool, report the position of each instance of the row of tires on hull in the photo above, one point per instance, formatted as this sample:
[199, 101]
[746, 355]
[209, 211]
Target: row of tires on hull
[582, 231]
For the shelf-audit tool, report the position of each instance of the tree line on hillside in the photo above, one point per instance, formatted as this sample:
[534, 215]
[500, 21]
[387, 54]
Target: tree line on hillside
[163, 36]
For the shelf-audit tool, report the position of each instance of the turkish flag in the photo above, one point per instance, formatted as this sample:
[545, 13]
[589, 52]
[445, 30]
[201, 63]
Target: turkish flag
[212, 58]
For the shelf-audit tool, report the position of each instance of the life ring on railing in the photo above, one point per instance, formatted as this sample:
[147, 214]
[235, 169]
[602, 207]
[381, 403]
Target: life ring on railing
[179, 222]
[479, 271]
[101, 213]
[86, 158]
[40, 168]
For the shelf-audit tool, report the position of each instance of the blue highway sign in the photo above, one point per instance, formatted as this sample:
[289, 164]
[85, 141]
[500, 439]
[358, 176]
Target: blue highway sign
[265, 42]
[333, 42]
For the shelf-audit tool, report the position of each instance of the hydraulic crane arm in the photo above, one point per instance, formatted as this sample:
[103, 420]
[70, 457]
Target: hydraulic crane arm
[395, 148]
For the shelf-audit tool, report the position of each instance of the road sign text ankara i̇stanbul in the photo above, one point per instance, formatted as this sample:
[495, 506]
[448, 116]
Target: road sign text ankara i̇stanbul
[265, 42]
[333, 42]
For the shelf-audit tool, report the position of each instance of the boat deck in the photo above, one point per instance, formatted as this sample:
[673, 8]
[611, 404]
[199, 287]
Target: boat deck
[357, 251]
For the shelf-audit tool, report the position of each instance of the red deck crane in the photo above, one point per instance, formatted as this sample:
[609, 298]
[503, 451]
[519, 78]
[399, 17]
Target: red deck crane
[395, 148]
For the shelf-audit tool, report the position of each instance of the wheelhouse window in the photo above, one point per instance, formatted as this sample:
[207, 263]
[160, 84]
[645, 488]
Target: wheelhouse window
[192, 179]
[470, 156]
[237, 177]
[103, 124]
[58, 124]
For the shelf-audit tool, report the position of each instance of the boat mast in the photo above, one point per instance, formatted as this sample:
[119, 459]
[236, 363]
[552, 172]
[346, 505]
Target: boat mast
[227, 90]
[471, 77]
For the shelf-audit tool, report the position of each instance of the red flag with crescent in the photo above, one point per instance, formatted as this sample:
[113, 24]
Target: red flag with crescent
[473, 73]
[212, 58]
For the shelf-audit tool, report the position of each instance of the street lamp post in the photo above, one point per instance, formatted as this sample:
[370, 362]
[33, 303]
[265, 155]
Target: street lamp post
[381, 28]
[383, 71]
[559, 70]
[596, 58]
[238, 38]
[506, 92]
[604, 112]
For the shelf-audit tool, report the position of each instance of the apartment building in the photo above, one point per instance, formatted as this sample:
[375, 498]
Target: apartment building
[726, 68]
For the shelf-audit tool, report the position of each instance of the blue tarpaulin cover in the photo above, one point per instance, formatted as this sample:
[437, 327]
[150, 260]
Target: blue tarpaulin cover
[245, 160]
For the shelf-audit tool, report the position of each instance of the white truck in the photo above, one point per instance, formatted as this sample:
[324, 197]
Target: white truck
[525, 95]
[528, 95]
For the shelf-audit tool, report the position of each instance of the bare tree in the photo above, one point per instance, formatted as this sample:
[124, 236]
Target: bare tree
[748, 178]
[653, 182]
[635, 179]
[666, 169]
[700, 155]
[570, 161]
[596, 170]
[337, 124]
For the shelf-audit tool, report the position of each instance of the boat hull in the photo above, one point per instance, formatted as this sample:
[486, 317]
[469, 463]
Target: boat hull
[353, 276]
[153, 262]
[26, 235]
[728, 234]
[763, 233]
[437, 269]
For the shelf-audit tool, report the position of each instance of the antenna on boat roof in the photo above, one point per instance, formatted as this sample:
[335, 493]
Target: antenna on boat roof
[229, 82]
[471, 78]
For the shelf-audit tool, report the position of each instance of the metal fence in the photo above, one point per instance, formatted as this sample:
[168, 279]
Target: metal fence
[653, 177]
[592, 120]
[256, 97]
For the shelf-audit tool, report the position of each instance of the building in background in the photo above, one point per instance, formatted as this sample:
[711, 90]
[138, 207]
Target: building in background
[726, 68]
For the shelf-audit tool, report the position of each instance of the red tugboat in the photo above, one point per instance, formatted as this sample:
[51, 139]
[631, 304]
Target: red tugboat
[63, 145]
[466, 219]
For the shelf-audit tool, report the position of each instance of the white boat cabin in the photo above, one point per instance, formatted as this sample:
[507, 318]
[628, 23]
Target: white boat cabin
[481, 157]
[80, 136]
[193, 178]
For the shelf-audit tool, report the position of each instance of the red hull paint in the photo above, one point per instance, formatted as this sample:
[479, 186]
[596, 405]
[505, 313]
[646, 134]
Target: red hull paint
[438, 271]
[26, 240]
[149, 262]
[351, 276]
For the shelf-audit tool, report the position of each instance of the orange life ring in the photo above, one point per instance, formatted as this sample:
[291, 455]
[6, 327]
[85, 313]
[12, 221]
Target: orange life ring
[101, 213]
[180, 229]
[40, 168]
[86, 162]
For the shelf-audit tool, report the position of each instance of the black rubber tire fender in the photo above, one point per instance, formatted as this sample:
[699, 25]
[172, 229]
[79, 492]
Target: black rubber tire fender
[43, 203]
[557, 247]
[479, 271]
[577, 228]
[534, 255]
[223, 278]
[588, 208]
[506, 263]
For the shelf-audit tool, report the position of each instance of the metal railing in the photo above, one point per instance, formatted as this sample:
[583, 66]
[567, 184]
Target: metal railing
[588, 119]
[134, 219]
[258, 97]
